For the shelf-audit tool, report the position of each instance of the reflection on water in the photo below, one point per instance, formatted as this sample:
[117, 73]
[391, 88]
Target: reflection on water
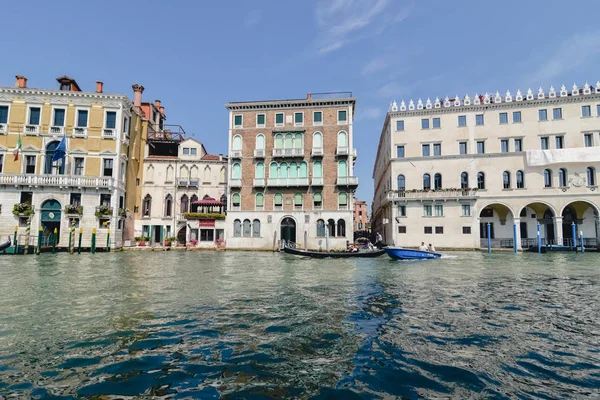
[263, 325]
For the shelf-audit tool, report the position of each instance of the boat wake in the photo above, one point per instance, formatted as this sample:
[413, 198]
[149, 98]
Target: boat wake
[446, 256]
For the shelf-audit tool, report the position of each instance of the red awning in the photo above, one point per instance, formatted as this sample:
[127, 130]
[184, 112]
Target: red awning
[207, 201]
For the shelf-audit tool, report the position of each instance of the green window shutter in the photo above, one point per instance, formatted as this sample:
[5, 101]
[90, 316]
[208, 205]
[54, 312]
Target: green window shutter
[318, 116]
[298, 118]
[298, 199]
[237, 120]
[343, 199]
[236, 198]
[279, 118]
[260, 199]
[303, 172]
[318, 197]
[342, 115]
[273, 170]
[278, 199]
[260, 119]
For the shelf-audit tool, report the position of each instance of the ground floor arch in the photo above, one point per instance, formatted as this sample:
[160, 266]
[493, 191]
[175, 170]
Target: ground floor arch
[288, 229]
[50, 218]
[496, 222]
[580, 218]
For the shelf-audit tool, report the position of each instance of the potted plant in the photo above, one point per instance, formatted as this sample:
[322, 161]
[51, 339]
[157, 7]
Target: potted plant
[74, 209]
[103, 211]
[24, 209]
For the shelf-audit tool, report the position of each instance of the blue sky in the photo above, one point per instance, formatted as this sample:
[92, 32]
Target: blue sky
[196, 56]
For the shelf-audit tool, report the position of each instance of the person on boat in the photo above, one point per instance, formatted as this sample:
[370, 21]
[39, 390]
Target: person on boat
[350, 248]
[423, 247]
[378, 240]
[431, 249]
[369, 245]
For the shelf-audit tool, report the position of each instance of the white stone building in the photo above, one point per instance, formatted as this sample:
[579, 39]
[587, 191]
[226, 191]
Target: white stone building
[446, 168]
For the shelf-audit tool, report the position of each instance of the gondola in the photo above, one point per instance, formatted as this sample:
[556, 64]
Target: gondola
[399, 253]
[5, 245]
[333, 254]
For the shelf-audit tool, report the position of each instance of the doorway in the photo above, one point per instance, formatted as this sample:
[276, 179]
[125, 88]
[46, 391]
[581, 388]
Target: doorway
[288, 230]
[50, 220]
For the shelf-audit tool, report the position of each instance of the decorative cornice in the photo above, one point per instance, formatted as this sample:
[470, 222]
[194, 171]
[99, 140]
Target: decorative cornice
[31, 92]
[283, 104]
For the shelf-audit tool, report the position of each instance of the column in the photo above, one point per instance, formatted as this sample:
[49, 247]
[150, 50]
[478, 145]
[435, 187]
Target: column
[597, 218]
[517, 233]
[558, 230]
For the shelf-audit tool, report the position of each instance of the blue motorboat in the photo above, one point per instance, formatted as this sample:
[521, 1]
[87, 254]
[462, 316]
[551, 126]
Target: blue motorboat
[398, 253]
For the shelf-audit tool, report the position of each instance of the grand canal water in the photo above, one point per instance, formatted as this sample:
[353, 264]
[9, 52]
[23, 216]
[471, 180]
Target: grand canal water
[263, 325]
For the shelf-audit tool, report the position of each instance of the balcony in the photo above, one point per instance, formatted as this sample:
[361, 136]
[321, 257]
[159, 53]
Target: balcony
[109, 133]
[276, 182]
[259, 153]
[317, 152]
[62, 181]
[347, 181]
[235, 183]
[56, 130]
[431, 194]
[259, 182]
[188, 182]
[165, 133]
[32, 129]
[3, 128]
[341, 151]
[288, 152]
[317, 181]
[79, 132]
[236, 154]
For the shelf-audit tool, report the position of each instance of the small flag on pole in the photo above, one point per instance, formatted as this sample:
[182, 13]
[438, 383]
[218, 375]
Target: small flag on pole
[16, 152]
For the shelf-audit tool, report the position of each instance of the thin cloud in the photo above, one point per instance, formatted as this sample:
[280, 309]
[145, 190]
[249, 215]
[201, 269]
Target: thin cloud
[369, 113]
[252, 18]
[375, 65]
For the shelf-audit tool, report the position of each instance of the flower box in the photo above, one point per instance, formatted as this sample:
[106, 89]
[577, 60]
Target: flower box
[23, 209]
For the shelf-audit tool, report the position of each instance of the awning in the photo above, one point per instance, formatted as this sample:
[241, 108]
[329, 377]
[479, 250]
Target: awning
[207, 201]
[536, 158]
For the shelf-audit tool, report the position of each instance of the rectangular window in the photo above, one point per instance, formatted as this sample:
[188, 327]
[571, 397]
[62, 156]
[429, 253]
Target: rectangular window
[439, 230]
[427, 210]
[260, 120]
[342, 116]
[557, 113]
[1, 162]
[462, 120]
[504, 118]
[466, 210]
[34, 115]
[437, 123]
[30, 164]
[399, 125]
[75, 199]
[82, 118]
[111, 120]
[78, 165]
[504, 145]
[437, 149]
[193, 151]
[586, 111]
[186, 151]
[466, 230]
[126, 126]
[400, 151]
[298, 119]
[107, 167]
[428, 230]
[438, 210]
[3, 114]
[588, 140]
[518, 145]
[425, 123]
[543, 115]
[402, 229]
[544, 142]
[237, 121]
[105, 200]
[560, 142]
[402, 211]
[516, 116]
[318, 118]
[598, 110]
[59, 117]
[479, 119]
[207, 235]
[425, 150]
[462, 147]
[481, 147]
[278, 119]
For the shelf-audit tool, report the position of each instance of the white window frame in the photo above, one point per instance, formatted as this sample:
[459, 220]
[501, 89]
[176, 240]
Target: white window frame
[2, 160]
[338, 118]
[5, 130]
[101, 175]
[265, 120]
[105, 128]
[462, 210]
[233, 122]
[318, 123]
[297, 123]
[29, 107]
[81, 131]
[275, 120]
[24, 167]
[73, 157]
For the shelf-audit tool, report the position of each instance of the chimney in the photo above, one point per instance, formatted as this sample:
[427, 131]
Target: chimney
[21, 82]
[137, 95]
[157, 104]
[308, 96]
[220, 157]
[162, 110]
[99, 87]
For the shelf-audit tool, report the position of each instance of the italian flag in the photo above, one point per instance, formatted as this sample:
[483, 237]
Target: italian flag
[16, 152]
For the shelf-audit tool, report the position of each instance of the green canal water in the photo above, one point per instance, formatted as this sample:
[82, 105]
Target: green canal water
[267, 325]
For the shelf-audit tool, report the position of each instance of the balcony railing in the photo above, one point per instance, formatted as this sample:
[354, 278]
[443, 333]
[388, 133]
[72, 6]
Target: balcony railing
[56, 130]
[342, 151]
[431, 194]
[259, 182]
[235, 183]
[3, 128]
[317, 151]
[288, 152]
[236, 154]
[169, 133]
[259, 153]
[32, 129]
[347, 180]
[59, 181]
[317, 181]
[287, 182]
[80, 132]
[188, 182]
[109, 133]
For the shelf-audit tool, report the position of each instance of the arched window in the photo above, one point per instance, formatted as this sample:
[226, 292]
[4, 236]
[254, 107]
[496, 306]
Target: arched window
[54, 167]
[273, 170]
[562, 177]
[317, 140]
[289, 141]
[320, 228]
[260, 201]
[256, 228]
[207, 174]
[168, 205]
[331, 228]
[464, 180]
[247, 232]
[547, 178]
[303, 170]
[343, 200]
[293, 170]
[360, 226]
[298, 201]
[194, 174]
[342, 141]
[401, 183]
[184, 173]
[279, 141]
[283, 170]
[437, 181]
[259, 172]
[222, 175]
[278, 200]
[426, 182]
[317, 169]
[193, 207]
[236, 200]
[169, 174]
[506, 179]
[298, 141]
[342, 169]
[341, 228]
[520, 179]
[236, 172]
[184, 203]
[150, 174]
[237, 143]
[147, 206]
[480, 180]
[260, 141]
[237, 228]
[317, 201]
[591, 176]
